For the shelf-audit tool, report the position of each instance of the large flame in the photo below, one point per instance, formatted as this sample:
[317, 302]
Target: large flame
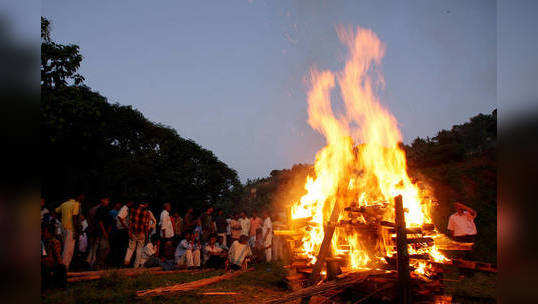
[362, 161]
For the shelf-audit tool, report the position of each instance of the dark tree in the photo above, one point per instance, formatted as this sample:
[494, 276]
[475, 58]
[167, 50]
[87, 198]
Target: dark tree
[92, 146]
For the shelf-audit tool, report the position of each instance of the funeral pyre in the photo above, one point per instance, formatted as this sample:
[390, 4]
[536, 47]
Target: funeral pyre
[360, 171]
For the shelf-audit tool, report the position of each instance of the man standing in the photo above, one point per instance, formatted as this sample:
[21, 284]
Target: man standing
[267, 231]
[103, 222]
[207, 224]
[222, 225]
[69, 211]
[177, 222]
[121, 236]
[235, 227]
[94, 231]
[255, 223]
[189, 222]
[245, 224]
[138, 228]
[461, 224]
[165, 222]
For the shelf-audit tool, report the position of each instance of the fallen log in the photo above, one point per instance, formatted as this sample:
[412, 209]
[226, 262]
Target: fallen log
[187, 286]
[99, 272]
[131, 274]
[349, 280]
[217, 293]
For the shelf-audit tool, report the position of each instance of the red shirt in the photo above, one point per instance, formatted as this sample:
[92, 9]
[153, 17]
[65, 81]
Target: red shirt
[139, 220]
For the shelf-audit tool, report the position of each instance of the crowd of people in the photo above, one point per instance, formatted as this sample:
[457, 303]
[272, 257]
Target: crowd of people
[110, 234]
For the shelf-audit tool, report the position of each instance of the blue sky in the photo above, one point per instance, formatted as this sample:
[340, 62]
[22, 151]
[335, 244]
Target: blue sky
[230, 74]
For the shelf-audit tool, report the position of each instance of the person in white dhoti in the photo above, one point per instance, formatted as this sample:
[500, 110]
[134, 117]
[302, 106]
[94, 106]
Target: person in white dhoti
[188, 252]
[267, 231]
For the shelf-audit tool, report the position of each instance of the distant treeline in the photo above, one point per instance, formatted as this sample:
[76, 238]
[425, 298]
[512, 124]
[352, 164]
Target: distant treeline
[101, 149]
[461, 165]
[458, 165]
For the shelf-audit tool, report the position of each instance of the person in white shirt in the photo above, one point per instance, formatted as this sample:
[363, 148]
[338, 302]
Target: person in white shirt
[239, 254]
[461, 226]
[167, 228]
[245, 224]
[214, 255]
[267, 231]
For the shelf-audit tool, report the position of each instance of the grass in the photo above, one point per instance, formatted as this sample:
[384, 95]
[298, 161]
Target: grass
[265, 281]
[479, 287]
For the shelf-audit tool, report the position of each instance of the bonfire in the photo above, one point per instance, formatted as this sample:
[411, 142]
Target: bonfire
[361, 169]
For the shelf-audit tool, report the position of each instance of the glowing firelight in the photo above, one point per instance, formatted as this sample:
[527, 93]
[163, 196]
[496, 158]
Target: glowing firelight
[362, 155]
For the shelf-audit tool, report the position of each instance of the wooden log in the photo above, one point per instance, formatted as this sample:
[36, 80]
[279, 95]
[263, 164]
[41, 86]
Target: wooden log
[348, 281]
[132, 274]
[99, 272]
[404, 291]
[419, 240]
[307, 271]
[217, 293]
[326, 243]
[387, 224]
[474, 265]
[300, 264]
[187, 286]
[425, 240]
[333, 269]
[335, 259]
[416, 230]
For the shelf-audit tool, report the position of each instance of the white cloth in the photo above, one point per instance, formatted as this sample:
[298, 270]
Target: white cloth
[245, 226]
[84, 225]
[215, 249]
[267, 230]
[167, 228]
[136, 243]
[238, 252]
[124, 215]
[462, 224]
[82, 242]
[209, 250]
[69, 247]
[147, 253]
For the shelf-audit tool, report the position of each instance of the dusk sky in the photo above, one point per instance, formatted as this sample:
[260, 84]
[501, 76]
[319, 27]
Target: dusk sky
[230, 74]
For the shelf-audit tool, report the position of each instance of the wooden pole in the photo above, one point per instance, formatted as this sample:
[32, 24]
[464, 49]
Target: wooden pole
[326, 243]
[404, 292]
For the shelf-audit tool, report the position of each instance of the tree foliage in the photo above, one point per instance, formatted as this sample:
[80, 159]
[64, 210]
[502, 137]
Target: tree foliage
[93, 146]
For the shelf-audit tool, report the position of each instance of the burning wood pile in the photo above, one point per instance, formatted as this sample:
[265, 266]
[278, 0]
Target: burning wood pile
[362, 212]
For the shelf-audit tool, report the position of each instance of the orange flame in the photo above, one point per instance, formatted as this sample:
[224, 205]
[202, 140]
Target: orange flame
[362, 150]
